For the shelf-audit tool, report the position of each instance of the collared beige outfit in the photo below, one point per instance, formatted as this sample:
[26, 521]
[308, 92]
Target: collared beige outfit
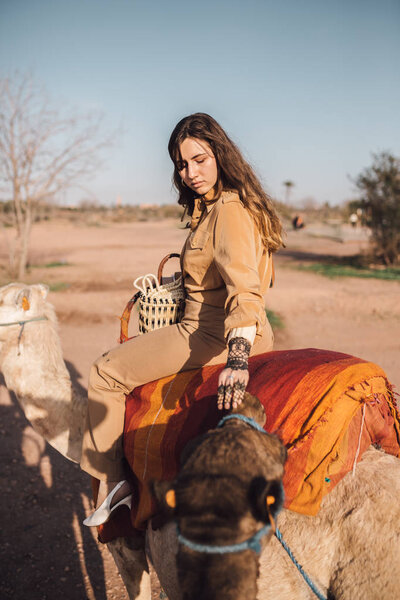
[226, 272]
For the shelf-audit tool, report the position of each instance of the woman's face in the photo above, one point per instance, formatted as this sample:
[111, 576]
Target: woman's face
[198, 166]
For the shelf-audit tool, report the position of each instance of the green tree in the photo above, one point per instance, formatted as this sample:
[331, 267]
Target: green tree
[379, 186]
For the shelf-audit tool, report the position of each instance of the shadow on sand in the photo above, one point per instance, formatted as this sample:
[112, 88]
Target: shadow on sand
[45, 551]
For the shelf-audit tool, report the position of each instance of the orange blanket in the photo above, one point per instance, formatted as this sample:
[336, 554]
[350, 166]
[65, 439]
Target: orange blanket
[327, 408]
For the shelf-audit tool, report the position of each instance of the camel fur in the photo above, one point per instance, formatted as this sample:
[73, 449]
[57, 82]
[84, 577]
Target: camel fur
[33, 368]
[220, 498]
[351, 548]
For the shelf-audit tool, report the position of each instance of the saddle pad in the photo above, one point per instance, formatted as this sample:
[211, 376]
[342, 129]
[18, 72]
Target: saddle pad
[326, 407]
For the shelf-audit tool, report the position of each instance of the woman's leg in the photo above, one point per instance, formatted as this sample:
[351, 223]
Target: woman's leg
[146, 358]
[115, 374]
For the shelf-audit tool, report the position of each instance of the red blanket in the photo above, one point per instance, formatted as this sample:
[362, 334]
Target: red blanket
[327, 408]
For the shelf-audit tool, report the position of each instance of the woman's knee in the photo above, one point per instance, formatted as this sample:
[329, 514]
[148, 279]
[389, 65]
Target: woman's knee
[104, 373]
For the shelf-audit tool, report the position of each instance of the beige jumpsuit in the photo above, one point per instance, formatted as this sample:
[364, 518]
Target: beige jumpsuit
[226, 272]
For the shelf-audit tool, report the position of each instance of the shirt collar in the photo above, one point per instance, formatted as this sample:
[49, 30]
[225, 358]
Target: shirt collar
[209, 200]
[202, 203]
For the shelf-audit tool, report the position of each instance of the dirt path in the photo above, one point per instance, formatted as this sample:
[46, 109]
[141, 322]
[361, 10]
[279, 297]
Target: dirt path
[45, 552]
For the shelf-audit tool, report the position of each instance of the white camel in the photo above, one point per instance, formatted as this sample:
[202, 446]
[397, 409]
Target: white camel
[351, 548]
[33, 368]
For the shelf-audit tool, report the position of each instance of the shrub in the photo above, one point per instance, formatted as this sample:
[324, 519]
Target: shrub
[379, 185]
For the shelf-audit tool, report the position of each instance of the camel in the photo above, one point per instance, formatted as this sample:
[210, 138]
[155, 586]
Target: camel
[351, 549]
[33, 368]
[229, 488]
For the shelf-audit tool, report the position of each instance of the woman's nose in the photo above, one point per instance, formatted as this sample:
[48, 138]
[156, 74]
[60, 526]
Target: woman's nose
[192, 170]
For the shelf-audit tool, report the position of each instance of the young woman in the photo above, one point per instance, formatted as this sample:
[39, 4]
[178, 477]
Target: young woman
[227, 269]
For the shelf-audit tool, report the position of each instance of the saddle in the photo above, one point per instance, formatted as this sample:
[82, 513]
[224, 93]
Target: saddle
[326, 407]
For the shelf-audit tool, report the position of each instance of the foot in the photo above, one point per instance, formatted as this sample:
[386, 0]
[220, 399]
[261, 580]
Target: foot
[106, 487]
[119, 495]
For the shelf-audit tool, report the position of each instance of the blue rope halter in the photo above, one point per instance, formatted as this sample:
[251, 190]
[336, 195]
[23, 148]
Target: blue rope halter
[23, 321]
[247, 420]
[299, 567]
[22, 325]
[252, 543]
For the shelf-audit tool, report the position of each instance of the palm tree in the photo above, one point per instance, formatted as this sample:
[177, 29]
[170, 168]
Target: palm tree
[288, 185]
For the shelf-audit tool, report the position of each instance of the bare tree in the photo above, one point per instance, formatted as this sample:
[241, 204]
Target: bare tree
[43, 152]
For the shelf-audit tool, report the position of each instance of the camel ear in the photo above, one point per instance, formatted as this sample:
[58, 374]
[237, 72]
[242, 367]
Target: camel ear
[266, 498]
[23, 299]
[164, 493]
[44, 290]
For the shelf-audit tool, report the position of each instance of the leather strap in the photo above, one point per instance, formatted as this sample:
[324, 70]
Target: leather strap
[162, 264]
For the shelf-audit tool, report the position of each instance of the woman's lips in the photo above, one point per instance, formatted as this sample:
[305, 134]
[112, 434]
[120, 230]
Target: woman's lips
[197, 184]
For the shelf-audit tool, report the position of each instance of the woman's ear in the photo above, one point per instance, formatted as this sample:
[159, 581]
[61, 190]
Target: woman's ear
[164, 494]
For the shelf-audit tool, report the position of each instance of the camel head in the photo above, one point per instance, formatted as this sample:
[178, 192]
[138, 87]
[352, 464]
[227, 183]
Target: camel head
[228, 489]
[33, 367]
[20, 302]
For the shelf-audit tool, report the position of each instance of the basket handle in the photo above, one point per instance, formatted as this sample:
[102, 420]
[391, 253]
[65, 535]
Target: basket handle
[162, 263]
[123, 337]
[146, 281]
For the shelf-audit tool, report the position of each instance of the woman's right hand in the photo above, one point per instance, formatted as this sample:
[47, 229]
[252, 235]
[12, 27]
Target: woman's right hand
[234, 378]
[232, 384]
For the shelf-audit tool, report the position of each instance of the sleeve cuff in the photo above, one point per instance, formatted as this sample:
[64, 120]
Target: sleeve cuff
[249, 333]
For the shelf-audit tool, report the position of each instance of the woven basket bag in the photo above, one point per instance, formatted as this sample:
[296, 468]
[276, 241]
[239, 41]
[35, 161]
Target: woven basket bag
[159, 304]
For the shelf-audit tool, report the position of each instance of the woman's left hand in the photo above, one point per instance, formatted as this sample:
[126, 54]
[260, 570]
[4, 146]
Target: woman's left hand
[232, 384]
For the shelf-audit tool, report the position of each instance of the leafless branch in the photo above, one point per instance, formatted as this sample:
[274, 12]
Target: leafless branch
[42, 151]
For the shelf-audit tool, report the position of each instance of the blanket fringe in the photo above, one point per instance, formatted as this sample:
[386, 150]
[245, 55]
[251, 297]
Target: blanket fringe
[359, 440]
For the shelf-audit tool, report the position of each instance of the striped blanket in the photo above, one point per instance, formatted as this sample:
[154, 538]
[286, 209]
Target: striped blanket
[326, 407]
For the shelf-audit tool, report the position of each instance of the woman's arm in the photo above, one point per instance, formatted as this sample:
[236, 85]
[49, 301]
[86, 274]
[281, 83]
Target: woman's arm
[236, 257]
[237, 252]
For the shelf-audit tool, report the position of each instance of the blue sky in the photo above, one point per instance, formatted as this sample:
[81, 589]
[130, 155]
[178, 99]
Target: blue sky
[307, 89]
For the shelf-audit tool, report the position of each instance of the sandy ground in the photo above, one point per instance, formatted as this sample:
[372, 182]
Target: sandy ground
[45, 552]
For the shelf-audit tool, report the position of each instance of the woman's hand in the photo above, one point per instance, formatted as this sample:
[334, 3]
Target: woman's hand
[232, 384]
[234, 378]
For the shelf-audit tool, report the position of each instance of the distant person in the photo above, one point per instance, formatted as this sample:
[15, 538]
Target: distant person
[227, 268]
[353, 219]
[297, 222]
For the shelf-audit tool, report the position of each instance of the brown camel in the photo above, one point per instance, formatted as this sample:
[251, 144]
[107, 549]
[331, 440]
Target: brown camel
[229, 489]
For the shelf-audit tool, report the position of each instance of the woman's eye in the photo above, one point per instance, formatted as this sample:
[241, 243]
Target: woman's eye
[200, 161]
[180, 165]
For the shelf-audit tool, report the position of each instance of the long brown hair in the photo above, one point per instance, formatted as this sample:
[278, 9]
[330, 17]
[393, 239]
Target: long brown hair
[234, 173]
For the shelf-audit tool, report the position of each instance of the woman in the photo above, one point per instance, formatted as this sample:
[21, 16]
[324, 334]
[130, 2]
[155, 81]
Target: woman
[227, 268]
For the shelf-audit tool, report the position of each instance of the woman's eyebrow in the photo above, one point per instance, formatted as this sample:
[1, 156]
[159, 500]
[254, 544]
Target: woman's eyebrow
[183, 160]
[198, 155]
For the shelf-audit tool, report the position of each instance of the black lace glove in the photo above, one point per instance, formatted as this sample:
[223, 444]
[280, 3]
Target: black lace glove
[234, 378]
[238, 354]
